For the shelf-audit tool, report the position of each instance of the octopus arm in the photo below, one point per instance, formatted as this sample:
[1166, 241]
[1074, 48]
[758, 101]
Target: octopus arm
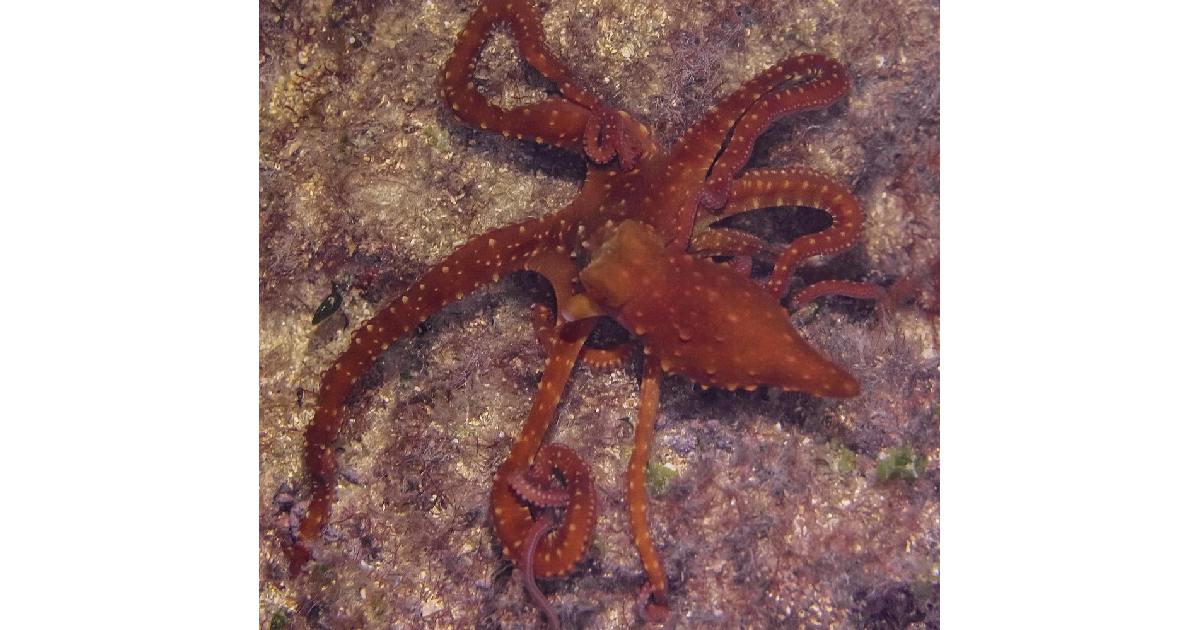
[526, 27]
[844, 288]
[579, 122]
[657, 608]
[700, 145]
[540, 487]
[512, 519]
[544, 326]
[821, 84]
[481, 260]
[731, 242]
[763, 188]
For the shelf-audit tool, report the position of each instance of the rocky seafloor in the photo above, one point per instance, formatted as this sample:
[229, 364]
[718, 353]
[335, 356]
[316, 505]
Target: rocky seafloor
[769, 509]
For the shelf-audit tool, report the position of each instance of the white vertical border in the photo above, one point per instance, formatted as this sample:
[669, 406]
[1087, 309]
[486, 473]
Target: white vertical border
[1070, 259]
[129, 250]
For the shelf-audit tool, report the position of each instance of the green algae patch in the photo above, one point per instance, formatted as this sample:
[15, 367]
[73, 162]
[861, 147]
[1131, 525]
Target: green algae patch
[840, 458]
[658, 476]
[899, 463]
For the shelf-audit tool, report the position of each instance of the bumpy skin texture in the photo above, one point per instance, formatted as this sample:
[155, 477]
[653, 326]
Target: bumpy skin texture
[635, 189]
[705, 321]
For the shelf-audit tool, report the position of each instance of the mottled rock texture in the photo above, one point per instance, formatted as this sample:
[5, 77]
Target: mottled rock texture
[768, 508]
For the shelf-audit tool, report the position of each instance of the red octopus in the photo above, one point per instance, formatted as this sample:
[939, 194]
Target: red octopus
[636, 246]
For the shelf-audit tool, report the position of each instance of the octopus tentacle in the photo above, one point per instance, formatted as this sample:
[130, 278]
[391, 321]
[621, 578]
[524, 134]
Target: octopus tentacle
[558, 269]
[579, 122]
[656, 608]
[535, 494]
[694, 155]
[531, 42]
[592, 357]
[742, 264]
[845, 288]
[482, 259]
[539, 486]
[821, 85]
[762, 188]
[612, 132]
[731, 242]
[700, 144]
[512, 520]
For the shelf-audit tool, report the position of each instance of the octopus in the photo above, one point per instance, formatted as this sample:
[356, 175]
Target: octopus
[640, 245]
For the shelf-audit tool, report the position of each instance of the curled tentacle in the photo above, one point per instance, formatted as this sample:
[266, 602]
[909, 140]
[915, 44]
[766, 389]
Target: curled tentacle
[579, 122]
[611, 132]
[742, 264]
[539, 486]
[762, 188]
[652, 605]
[511, 517]
[531, 42]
